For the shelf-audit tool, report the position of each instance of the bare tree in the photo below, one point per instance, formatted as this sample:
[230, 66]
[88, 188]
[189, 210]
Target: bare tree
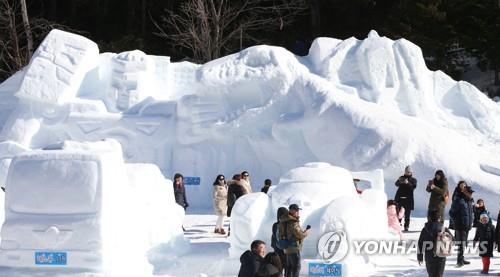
[10, 52]
[210, 28]
[18, 40]
[27, 28]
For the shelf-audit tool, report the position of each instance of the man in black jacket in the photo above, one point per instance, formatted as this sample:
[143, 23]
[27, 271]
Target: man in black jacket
[404, 196]
[252, 259]
[462, 215]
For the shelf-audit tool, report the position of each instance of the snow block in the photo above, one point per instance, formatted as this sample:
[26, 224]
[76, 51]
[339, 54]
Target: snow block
[83, 200]
[57, 68]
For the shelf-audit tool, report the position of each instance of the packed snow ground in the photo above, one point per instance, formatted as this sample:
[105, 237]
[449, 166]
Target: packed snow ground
[209, 256]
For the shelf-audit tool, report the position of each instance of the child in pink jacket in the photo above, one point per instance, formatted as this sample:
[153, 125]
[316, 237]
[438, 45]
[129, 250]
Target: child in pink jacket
[393, 218]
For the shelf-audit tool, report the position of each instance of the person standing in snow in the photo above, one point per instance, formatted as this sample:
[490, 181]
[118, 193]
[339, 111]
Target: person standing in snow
[219, 196]
[272, 266]
[274, 238]
[180, 191]
[404, 196]
[438, 188]
[485, 235]
[478, 209]
[245, 179]
[251, 260]
[236, 189]
[290, 227]
[461, 216]
[426, 244]
[267, 185]
[393, 218]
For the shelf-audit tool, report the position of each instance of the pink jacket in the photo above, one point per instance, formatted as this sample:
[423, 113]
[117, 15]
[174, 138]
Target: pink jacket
[393, 217]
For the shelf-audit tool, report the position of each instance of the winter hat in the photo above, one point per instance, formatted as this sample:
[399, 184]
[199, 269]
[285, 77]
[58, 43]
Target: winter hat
[484, 215]
[408, 169]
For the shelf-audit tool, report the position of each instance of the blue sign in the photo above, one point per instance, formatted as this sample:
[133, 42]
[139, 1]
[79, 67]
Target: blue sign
[51, 258]
[192, 181]
[321, 269]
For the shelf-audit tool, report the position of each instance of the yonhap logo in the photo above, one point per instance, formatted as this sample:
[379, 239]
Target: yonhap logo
[333, 246]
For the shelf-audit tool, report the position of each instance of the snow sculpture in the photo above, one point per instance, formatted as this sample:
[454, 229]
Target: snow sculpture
[360, 104]
[129, 78]
[78, 205]
[58, 67]
[329, 201]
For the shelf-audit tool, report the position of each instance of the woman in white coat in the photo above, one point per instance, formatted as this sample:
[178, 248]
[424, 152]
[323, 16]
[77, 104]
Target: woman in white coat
[219, 197]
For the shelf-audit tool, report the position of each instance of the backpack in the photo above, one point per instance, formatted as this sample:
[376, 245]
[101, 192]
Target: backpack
[282, 241]
[446, 197]
[444, 243]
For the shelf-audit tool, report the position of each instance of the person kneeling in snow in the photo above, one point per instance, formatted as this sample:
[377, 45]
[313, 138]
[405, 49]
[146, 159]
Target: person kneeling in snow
[393, 218]
[485, 234]
[251, 260]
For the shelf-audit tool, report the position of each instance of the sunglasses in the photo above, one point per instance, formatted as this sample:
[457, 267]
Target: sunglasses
[221, 179]
[245, 175]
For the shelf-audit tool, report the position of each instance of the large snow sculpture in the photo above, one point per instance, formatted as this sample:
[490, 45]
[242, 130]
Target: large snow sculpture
[329, 201]
[360, 104]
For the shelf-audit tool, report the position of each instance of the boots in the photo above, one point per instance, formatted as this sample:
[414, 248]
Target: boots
[222, 231]
[217, 231]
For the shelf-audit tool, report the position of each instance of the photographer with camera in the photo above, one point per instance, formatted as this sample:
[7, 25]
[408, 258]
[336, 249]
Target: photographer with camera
[404, 196]
[438, 188]
[291, 231]
[461, 218]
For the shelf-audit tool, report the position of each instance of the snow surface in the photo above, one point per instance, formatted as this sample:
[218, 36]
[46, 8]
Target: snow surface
[212, 258]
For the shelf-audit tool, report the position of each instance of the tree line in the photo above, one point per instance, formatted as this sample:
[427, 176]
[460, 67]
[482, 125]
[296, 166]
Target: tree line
[203, 30]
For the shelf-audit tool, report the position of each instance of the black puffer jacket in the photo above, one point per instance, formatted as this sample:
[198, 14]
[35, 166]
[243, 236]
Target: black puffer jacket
[485, 235]
[404, 195]
[235, 190]
[428, 234]
[250, 264]
[461, 211]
